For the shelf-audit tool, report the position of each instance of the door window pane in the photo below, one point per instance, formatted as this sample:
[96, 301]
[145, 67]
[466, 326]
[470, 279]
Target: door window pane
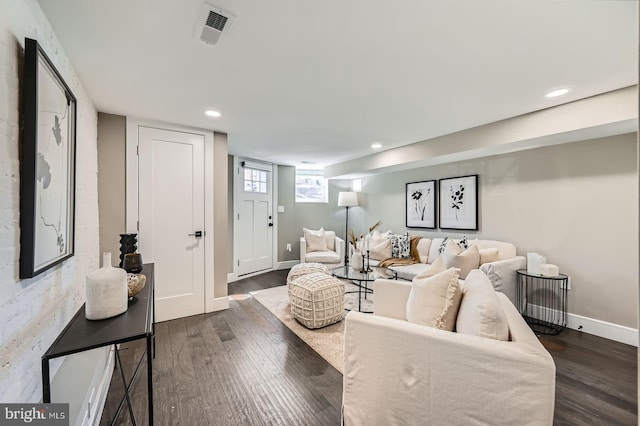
[255, 180]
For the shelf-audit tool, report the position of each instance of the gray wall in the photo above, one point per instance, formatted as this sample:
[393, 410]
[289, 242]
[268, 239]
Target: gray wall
[296, 215]
[221, 254]
[111, 182]
[306, 215]
[112, 202]
[576, 203]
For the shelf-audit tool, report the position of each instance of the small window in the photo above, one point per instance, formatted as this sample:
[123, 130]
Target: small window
[255, 180]
[311, 186]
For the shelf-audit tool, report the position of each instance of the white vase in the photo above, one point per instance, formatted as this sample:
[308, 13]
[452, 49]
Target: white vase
[356, 261]
[534, 263]
[106, 291]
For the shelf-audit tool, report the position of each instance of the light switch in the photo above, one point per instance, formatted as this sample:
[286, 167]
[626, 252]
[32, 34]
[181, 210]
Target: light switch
[280, 209]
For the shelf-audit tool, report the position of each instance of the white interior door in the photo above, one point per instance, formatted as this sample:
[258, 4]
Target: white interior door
[253, 217]
[171, 211]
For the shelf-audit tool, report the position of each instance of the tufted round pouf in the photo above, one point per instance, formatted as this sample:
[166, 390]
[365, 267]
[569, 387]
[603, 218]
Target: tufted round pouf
[304, 269]
[317, 300]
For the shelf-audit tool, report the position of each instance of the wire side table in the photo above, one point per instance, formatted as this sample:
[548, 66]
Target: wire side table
[542, 301]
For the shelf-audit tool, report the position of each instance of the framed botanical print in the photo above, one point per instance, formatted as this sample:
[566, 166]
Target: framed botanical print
[459, 203]
[421, 204]
[48, 165]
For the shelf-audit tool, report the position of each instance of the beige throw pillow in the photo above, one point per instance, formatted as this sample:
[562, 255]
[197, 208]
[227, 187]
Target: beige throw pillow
[434, 301]
[466, 260]
[376, 237]
[380, 251]
[480, 312]
[488, 255]
[451, 248]
[316, 240]
[433, 269]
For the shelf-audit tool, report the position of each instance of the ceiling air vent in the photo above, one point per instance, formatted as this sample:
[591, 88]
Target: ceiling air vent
[212, 23]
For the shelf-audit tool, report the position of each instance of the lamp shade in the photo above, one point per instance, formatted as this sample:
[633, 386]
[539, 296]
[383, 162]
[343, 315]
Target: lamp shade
[347, 199]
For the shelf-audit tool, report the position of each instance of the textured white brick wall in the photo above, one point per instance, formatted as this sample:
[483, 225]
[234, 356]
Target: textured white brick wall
[34, 311]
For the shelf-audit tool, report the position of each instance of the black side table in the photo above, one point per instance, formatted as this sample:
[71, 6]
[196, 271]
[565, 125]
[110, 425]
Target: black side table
[542, 301]
[82, 334]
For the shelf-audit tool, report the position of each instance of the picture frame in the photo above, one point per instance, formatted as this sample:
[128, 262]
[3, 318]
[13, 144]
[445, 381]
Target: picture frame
[48, 165]
[420, 203]
[459, 203]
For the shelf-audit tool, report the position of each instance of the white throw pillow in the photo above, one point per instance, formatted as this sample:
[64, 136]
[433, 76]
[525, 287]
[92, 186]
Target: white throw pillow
[434, 301]
[433, 269]
[376, 237]
[480, 312]
[331, 240]
[466, 260]
[316, 240]
[379, 245]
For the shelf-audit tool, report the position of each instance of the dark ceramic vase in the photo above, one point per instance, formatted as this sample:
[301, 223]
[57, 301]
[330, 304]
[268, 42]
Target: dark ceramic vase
[132, 263]
[128, 244]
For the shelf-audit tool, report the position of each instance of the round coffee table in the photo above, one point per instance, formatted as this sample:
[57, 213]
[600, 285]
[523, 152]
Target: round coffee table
[362, 280]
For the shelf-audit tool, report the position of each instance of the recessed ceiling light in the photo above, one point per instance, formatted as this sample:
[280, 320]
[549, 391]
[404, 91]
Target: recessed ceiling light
[212, 113]
[556, 93]
[376, 145]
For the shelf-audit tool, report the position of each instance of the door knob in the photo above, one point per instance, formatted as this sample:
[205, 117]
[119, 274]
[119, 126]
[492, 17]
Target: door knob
[197, 234]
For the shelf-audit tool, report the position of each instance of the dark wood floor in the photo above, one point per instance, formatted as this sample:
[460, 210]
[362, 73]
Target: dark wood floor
[243, 367]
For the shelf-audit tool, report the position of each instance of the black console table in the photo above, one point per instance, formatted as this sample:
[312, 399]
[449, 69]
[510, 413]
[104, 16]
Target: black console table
[81, 335]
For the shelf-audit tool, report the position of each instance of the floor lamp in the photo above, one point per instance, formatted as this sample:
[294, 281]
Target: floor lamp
[347, 199]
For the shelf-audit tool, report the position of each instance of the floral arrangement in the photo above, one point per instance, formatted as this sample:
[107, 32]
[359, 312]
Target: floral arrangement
[353, 238]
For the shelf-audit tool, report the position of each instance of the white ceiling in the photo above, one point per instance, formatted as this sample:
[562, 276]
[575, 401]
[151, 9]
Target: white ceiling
[301, 80]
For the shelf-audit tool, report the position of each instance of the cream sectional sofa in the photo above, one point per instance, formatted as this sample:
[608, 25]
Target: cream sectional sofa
[399, 372]
[501, 272]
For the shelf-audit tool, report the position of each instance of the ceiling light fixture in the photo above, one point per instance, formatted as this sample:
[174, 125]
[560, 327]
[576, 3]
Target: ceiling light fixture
[212, 113]
[376, 145]
[556, 93]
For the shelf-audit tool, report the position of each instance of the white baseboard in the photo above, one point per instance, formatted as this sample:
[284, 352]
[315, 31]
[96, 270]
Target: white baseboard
[287, 264]
[219, 304]
[103, 388]
[608, 330]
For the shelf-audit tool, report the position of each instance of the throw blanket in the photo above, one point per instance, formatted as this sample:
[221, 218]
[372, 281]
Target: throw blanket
[415, 256]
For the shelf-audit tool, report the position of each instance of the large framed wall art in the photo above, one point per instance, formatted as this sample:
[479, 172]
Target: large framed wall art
[459, 203]
[421, 204]
[48, 164]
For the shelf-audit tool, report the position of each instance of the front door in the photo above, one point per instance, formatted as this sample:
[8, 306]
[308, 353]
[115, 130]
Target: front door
[253, 217]
[171, 215]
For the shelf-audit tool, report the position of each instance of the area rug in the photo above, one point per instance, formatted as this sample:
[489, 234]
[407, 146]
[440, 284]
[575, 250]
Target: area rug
[328, 341]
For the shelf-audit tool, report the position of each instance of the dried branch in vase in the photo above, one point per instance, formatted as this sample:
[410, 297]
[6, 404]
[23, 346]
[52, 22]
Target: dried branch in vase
[375, 225]
[353, 239]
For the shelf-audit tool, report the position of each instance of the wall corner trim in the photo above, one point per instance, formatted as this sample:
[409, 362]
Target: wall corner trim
[219, 304]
